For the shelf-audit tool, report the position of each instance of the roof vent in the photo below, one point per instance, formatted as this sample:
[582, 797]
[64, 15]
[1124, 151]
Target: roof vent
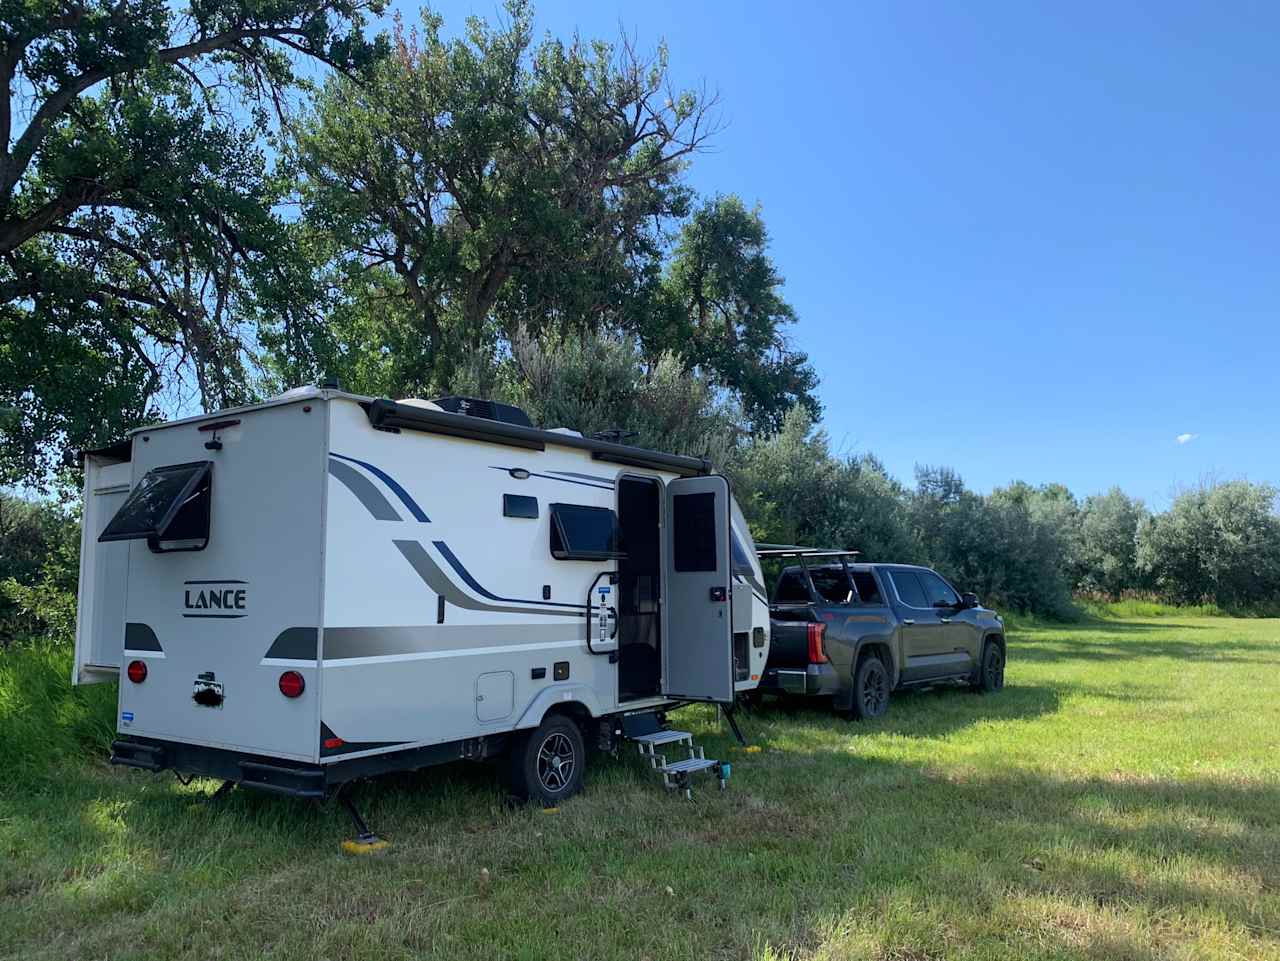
[487, 409]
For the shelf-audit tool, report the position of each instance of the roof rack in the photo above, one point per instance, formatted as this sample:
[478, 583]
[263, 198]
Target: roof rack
[793, 550]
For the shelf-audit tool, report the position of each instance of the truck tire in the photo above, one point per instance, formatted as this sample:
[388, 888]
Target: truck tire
[870, 689]
[547, 762]
[990, 669]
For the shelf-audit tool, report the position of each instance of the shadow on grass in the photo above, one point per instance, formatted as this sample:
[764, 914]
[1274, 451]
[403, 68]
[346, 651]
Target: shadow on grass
[915, 712]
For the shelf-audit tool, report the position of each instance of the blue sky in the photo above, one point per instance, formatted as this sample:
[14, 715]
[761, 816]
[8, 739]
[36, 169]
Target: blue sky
[1033, 241]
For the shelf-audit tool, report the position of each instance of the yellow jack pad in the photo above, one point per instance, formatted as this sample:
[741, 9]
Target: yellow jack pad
[365, 845]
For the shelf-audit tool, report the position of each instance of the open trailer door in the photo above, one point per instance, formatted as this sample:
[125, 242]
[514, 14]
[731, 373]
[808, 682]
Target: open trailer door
[698, 634]
[103, 570]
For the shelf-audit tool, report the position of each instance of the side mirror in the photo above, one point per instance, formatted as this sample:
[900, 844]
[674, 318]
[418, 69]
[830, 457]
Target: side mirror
[968, 600]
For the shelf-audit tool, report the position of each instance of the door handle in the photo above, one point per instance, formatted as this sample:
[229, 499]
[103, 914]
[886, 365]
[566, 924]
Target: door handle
[945, 620]
[908, 620]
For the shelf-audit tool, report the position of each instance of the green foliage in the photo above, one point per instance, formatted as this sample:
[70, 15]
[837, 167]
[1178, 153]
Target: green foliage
[138, 238]
[727, 313]
[47, 723]
[1109, 525]
[473, 188]
[1219, 542]
[793, 490]
[603, 382]
[39, 569]
[491, 183]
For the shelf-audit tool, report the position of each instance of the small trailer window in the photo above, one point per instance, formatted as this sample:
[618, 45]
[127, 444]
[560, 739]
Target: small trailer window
[580, 533]
[169, 504]
[694, 522]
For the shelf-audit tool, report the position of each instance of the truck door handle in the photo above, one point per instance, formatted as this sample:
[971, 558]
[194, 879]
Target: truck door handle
[945, 620]
[908, 620]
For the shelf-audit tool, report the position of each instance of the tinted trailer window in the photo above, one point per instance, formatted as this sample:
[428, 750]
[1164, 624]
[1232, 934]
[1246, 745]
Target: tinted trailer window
[168, 504]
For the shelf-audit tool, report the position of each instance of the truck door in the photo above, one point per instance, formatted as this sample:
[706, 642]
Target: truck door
[697, 658]
[961, 635]
[103, 572]
[924, 640]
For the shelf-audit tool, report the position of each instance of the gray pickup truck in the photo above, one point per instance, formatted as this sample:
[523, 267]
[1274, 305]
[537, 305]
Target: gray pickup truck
[857, 632]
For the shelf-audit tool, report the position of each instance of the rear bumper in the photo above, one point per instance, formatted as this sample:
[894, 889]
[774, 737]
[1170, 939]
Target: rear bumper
[815, 679]
[277, 775]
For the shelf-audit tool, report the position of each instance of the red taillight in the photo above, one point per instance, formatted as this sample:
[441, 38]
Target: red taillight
[292, 684]
[333, 743]
[137, 671]
[817, 649]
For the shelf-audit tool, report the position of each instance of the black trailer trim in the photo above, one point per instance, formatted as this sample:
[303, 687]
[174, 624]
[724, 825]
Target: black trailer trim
[388, 415]
[290, 778]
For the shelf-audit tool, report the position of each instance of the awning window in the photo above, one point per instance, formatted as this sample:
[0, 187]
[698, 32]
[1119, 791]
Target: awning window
[169, 508]
[580, 533]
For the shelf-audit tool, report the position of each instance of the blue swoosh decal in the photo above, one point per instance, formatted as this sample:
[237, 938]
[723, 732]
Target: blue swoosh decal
[390, 481]
[471, 582]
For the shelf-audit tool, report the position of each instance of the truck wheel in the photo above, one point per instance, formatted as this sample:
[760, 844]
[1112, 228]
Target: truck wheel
[547, 763]
[990, 669]
[870, 689]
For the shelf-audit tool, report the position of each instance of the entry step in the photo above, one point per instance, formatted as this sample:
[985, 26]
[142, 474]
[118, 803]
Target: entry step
[688, 766]
[676, 774]
[658, 738]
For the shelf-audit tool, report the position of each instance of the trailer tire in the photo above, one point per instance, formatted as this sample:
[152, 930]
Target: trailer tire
[871, 688]
[547, 762]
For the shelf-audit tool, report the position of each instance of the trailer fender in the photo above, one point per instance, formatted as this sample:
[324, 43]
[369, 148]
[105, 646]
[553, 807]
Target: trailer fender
[556, 695]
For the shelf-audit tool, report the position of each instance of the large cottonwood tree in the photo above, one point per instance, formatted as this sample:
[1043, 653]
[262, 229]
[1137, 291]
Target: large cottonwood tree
[138, 240]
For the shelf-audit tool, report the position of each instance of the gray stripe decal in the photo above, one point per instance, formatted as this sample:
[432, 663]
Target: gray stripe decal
[599, 483]
[440, 583]
[140, 637]
[363, 488]
[295, 644]
[350, 642]
[590, 477]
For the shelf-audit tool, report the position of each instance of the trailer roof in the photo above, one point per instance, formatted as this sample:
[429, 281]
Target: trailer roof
[390, 415]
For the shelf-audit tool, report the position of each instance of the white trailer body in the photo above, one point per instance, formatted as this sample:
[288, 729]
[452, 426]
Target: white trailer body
[327, 586]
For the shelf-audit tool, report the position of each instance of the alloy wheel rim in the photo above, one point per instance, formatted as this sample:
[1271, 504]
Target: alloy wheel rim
[873, 691]
[995, 669]
[555, 762]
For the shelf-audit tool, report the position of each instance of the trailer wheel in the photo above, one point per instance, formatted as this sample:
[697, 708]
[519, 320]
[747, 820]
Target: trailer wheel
[870, 689]
[547, 763]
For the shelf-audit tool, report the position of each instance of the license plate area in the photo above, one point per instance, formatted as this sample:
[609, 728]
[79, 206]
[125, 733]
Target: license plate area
[208, 694]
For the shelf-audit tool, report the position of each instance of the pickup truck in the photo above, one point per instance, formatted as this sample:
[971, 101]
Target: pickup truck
[857, 632]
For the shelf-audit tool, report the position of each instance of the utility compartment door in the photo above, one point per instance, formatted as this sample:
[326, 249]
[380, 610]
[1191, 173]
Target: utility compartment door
[104, 572]
[697, 659]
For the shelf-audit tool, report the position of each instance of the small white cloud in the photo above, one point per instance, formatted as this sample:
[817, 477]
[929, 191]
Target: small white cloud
[1186, 438]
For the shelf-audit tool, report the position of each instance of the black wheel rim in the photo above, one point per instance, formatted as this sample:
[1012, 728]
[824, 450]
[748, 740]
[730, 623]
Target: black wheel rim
[875, 692]
[995, 668]
[555, 762]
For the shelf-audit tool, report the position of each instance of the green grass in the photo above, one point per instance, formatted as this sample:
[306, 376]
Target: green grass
[1119, 800]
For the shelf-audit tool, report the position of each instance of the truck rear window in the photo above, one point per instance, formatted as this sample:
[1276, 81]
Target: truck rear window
[168, 504]
[832, 586]
[868, 589]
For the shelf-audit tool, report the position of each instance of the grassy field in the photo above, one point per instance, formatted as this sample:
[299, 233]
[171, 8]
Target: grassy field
[1119, 800]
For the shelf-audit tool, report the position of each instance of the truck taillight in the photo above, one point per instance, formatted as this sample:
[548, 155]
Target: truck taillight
[137, 671]
[817, 647]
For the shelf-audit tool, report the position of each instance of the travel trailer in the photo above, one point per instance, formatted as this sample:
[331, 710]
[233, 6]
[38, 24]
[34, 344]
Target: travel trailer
[325, 587]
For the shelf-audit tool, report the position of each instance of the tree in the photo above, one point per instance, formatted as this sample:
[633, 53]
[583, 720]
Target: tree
[492, 184]
[728, 315]
[1219, 542]
[138, 239]
[1109, 525]
[601, 382]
